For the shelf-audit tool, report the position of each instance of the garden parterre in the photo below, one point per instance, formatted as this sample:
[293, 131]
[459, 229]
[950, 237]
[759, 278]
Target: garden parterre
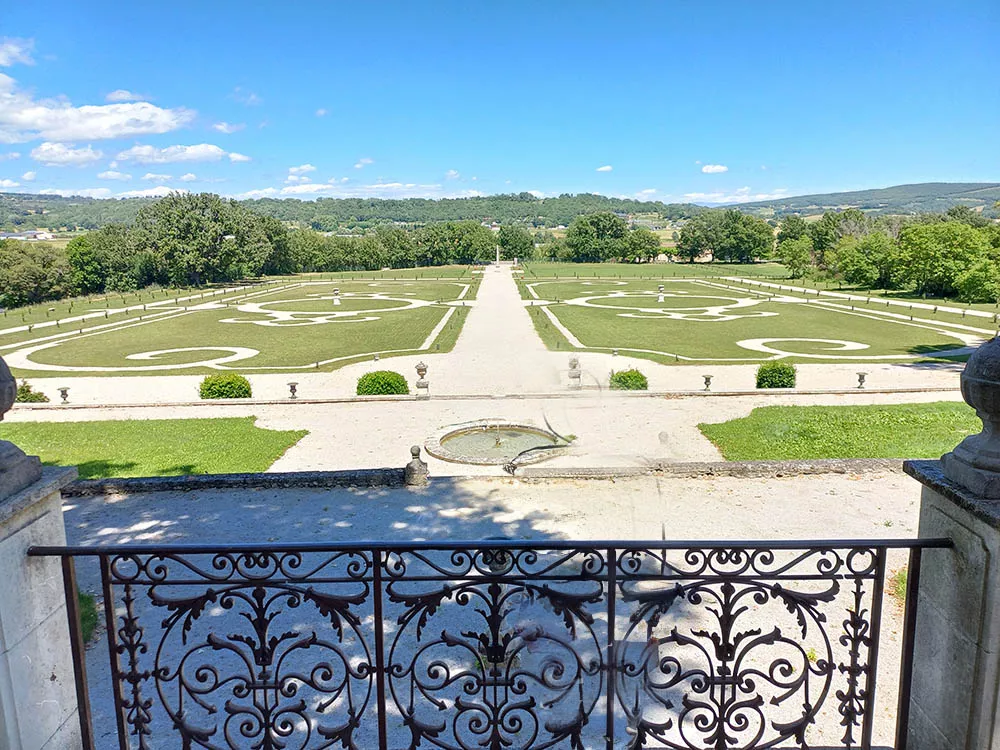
[690, 320]
[294, 324]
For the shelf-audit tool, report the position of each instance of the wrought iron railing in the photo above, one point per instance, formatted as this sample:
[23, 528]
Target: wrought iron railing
[495, 644]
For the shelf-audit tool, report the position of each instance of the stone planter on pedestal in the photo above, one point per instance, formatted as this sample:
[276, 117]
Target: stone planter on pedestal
[423, 385]
[575, 374]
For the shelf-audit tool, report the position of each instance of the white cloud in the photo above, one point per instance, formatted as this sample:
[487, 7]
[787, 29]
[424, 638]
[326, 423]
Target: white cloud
[123, 95]
[85, 192]
[239, 158]
[10, 156]
[647, 192]
[64, 155]
[363, 162]
[172, 154]
[339, 189]
[249, 194]
[5, 183]
[24, 118]
[714, 168]
[321, 112]
[13, 51]
[29, 176]
[155, 177]
[605, 168]
[189, 177]
[244, 96]
[537, 193]
[293, 178]
[452, 174]
[228, 127]
[302, 169]
[113, 175]
[741, 195]
[156, 192]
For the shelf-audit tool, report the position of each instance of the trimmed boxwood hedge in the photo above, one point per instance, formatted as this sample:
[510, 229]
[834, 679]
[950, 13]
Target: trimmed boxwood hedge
[27, 395]
[776, 375]
[382, 383]
[225, 385]
[628, 380]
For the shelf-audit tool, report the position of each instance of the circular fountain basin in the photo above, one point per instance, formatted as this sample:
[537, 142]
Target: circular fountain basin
[491, 442]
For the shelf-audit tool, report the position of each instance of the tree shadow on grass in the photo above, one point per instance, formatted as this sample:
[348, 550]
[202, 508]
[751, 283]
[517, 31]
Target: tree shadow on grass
[98, 469]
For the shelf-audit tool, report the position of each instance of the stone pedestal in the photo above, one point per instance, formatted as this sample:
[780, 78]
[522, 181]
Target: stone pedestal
[955, 696]
[38, 702]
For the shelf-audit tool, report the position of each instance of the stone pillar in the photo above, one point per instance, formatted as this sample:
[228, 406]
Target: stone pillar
[955, 697]
[38, 702]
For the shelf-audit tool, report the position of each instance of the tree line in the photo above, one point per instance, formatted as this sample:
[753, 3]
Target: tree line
[28, 211]
[955, 254]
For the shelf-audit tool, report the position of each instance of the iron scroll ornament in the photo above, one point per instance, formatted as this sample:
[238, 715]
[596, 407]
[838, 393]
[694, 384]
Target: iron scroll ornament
[494, 644]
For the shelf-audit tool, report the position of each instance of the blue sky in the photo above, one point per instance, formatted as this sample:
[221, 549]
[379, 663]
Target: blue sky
[707, 101]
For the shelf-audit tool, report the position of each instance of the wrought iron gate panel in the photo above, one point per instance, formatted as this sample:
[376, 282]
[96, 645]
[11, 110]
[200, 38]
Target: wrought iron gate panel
[495, 644]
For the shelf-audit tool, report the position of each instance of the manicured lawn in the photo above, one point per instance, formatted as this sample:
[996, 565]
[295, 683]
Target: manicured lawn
[807, 432]
[142, 448]
[627, 314]
[291, 326]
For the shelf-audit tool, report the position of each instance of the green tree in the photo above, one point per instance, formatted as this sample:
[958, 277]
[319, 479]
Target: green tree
[641, 245]
[87, 274]
[933, 255]
[980, 283]
[700, 236]
[966, 215]
[824, 234]
[597, 237]
[792, 228]
[796, 255]
[744, 238]
[515, 242]
[32, 272]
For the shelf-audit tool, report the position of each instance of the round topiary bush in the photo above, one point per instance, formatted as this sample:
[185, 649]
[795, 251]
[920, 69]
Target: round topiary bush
[628, 380]
[382, 383]
[776, 375]
[225, 385]
[27, 395]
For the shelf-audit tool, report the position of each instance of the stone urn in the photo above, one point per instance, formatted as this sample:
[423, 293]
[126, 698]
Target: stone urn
[17, 470]
[975, 462]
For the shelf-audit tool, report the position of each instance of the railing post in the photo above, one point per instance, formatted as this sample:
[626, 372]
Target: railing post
[610, 657]
[79, 652]
[380, 668]
[906, 664]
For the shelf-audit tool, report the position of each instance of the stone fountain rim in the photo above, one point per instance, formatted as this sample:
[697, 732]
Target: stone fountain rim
[433, 444]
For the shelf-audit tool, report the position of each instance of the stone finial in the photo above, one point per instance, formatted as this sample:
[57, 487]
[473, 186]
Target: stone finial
[17, 470]
[975, 463]
[415, 473]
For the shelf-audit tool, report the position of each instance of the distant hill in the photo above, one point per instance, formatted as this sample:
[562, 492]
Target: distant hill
[901, 199]
[21, 211]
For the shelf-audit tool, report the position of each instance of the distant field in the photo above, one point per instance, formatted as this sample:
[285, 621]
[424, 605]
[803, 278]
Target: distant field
[715, 320]
[308, 322]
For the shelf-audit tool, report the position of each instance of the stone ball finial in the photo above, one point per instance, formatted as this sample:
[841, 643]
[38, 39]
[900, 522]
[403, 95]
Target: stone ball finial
[8, 389]
[415, 473]
[975, 463]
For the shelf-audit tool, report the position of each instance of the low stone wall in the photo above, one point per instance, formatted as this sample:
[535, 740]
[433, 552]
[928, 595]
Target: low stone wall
[743, 469]
[354, 478]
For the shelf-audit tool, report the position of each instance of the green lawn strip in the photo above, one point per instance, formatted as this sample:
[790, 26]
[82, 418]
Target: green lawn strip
[168, 447]
[766, 271]
[811, 432]
[550, 335]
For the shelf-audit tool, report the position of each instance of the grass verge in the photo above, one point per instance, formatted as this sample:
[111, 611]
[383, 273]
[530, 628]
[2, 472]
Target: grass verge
[88, 615]
[811, 432]
[140, 448]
